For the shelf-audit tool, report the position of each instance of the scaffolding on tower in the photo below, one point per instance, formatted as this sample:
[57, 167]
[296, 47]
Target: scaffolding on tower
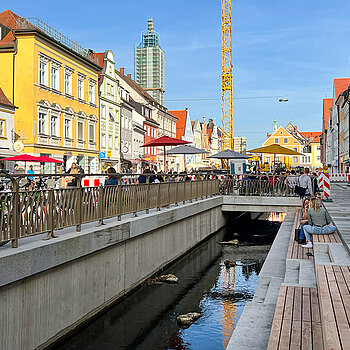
[226, 77]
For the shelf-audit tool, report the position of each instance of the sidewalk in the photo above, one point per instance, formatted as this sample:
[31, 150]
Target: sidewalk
[339, 210]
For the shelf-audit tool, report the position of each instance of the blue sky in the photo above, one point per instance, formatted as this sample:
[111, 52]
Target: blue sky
[293, 50]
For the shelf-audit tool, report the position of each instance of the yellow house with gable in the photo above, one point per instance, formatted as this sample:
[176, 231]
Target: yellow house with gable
[53, 82]
[307, 143]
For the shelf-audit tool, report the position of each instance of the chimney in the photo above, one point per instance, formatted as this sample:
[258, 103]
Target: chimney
[129, 76]
[122, 70]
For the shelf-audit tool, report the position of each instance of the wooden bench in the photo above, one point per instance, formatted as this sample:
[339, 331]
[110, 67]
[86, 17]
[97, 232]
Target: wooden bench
[333, 284]
[295, 250]
[296, 324]
[331, 238]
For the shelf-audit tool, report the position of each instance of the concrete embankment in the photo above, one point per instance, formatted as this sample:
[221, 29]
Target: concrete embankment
[48, 288]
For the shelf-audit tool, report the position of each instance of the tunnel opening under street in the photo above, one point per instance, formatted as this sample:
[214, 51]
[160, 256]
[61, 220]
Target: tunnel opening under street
[208, 284]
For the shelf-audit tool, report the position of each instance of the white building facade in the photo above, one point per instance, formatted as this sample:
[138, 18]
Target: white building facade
[110, 110]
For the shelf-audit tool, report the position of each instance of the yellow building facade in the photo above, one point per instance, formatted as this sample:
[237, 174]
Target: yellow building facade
[307, 143]
[55, 87]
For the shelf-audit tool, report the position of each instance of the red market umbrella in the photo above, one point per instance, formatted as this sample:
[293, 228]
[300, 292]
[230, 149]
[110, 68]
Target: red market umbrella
[23, 158]
[46, 159]
[165, 141]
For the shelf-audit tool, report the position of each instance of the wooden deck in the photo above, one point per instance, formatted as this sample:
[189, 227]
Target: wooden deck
[297, 323]
[333, 283]
[295, 250]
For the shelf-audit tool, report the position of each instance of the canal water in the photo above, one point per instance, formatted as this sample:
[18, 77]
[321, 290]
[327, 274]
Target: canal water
[146, 319]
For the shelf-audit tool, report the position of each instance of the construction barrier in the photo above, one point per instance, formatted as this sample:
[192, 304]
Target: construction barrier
[324, 184]
[340, 177]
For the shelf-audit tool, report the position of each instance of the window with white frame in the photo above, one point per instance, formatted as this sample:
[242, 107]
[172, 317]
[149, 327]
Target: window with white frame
[295, 149]
[43, 66]
[103, 140]
[276, 140]
[103, 111]
[80, 87]
[2, 128]
[110, 142]
[42, 123]
[308, 159]
[54, 77]
[67, 128]
[92, 85]
[91, 132]
[285, 140]
[54, 125]
[68, 81]
[295, 160]
[80, 129]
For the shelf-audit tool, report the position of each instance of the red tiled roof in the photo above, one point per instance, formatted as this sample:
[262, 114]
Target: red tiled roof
[4, 100]
[327, 104]
[340, 84]
[181, 116]
[312, 135]
[9, 19]
[8, 40]
[100, 58]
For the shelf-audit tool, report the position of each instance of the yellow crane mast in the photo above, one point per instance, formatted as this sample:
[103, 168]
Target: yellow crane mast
[226, 77]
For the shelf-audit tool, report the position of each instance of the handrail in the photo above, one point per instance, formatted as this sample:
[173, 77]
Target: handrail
[25, 212]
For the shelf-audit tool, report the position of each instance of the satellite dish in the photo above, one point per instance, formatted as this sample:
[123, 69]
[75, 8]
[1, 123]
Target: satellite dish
[18, 146]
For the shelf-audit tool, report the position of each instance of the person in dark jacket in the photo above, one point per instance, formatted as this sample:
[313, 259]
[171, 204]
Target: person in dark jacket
[112, 179]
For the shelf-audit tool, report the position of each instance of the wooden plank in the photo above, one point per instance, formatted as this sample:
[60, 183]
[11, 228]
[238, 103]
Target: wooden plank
[331, 334]
[285, 335]
[306, 305]
[317, 337]
[338, 306]
[286, 329]
[315, 306]
[277, 320]
[306, 336]
[295, 342]
[346, 273]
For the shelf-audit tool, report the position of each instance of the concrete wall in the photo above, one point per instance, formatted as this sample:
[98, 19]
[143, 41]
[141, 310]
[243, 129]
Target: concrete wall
[50, 287]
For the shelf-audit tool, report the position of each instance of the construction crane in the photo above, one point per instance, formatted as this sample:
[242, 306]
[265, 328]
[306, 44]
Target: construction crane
[226, 77]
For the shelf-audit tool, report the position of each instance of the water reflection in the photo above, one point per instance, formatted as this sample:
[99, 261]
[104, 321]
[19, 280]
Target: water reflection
[147, 318]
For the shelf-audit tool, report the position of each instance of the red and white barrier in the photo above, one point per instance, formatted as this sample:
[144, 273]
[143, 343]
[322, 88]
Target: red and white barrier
[340, 177]
[324, 183]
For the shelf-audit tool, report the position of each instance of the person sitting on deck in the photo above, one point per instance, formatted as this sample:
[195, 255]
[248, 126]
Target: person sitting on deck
[319, 222]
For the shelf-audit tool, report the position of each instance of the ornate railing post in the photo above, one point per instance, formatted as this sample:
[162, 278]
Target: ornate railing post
[79, 204]
[158, 197]
[16, 219]
[134, 204]
[51, 207]
[119, 200]
[177, 193]
[101, 204]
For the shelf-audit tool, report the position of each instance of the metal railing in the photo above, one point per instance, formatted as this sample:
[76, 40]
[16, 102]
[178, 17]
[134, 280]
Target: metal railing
[51, 204]
[26, 212]
[36, 23]
[261, 185]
